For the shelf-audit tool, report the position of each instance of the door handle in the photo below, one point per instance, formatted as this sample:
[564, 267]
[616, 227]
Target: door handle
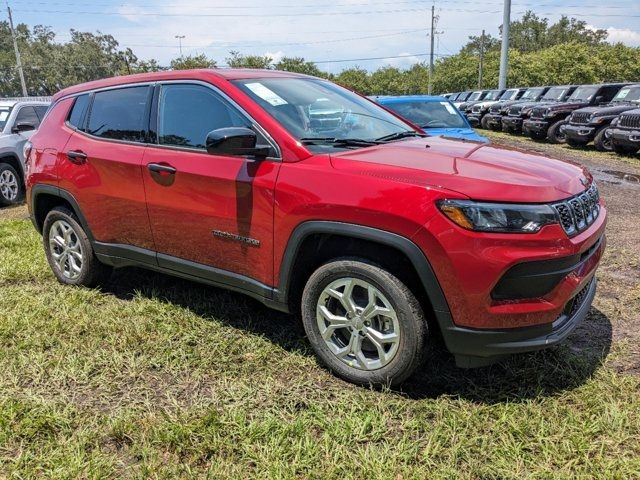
[77, 156]
[158, 168]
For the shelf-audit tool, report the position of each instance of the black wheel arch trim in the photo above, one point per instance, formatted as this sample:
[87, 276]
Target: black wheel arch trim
[403, 244]
[56, 191]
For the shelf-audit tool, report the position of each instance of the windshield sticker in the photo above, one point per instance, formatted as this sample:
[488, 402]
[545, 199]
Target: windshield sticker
[623, 93]
[449, 108]
[266, 94]
[3, 115]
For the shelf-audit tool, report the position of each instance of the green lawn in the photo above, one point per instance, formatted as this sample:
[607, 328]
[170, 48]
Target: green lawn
[155, 377]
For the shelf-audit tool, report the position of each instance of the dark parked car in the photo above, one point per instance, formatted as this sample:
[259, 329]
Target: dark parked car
[477, 112]
[591, 123]
[461, 98]
[490, 95]
[548, 121]
[493, 119]
[517, 114]
[625, 133]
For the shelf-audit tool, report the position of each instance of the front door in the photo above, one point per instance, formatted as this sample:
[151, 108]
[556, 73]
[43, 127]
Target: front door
[207, 210]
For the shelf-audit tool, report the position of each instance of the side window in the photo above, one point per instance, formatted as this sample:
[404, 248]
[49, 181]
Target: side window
[78, 111]
[609, 93]
[41, 110]
[119, 114]
[187, 113]
[27, 115]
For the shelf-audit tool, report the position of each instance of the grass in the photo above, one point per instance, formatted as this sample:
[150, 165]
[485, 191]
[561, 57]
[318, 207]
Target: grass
[154, 377]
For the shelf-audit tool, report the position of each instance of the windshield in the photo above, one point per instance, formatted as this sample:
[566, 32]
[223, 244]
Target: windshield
[555, 93]
[493, 95]
[4, 116]
[628, 94]
[532, 93]
[583, 94]
[313, 109]
[475, 96]
[429, 114]
[510, 94]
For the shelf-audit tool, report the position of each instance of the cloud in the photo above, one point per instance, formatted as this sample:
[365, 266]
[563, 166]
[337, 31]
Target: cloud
[624, 35]
[276, 56]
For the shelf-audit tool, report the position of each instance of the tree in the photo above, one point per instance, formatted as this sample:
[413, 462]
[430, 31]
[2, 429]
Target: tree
[299, 65]
[238, 60]
[192, 61]
[355, 78]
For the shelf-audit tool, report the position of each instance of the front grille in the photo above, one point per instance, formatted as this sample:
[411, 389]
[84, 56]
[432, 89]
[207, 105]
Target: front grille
[577, 213]
[580, 118]
[538, 112]
[515, 111]
[576, 302]
[476, 109]
[495, 108]
[629, 120]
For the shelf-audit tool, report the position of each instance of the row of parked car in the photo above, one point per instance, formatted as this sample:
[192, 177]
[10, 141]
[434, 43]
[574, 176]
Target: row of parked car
[607, 115]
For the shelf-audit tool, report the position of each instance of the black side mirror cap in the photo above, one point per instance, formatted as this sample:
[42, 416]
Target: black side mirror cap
[235, 141]
[23, 127]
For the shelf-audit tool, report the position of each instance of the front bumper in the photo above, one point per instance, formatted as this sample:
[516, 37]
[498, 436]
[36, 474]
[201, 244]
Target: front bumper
[494, 120]
[580, 133]
[513, 123]
[625, 137]
[476, 348]
[474, 119]
[535, 126]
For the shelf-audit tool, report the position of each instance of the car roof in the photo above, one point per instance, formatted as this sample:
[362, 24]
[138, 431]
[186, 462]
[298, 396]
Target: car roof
[409, 98]
[196, 74]
[13, 101]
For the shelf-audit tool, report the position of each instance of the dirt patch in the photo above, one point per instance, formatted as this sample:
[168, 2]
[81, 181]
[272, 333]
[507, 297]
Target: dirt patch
[19, 212]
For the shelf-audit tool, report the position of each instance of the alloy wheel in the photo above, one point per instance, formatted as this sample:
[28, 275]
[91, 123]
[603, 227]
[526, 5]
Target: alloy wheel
[358, 323]
[65, 249]
[8, 185]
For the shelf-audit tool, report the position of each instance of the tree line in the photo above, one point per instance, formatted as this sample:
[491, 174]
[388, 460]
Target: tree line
[541, 53]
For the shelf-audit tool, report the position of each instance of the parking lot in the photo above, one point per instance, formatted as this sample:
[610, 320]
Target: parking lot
[159, 377]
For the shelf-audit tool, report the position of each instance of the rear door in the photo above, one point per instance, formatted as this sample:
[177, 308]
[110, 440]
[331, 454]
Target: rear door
[101, 164]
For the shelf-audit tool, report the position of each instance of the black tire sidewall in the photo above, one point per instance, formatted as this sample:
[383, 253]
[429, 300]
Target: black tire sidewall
[599, 141]
[20, 197]
[92, 270]
[554, 131]
[410, 317]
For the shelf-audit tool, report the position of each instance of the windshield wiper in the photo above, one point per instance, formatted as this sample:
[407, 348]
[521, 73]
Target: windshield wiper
[339, 142]
[400, 135]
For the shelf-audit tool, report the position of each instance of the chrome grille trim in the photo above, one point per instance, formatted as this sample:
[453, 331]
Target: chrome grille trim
[538, 112]
[577, 213]
[629, 120]
[580, 118]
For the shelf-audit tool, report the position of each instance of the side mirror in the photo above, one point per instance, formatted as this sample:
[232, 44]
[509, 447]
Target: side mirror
[236, 141]
[599, 99]
[23, 127]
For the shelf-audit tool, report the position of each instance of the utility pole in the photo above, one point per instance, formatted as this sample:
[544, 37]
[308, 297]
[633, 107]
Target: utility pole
[433, 25]
[504, 53]
[15, 47]
[481, 68]
[180, 37]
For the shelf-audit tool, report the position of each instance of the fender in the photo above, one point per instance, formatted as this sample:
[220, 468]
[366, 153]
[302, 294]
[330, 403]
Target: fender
[406, 246]
[42, 188]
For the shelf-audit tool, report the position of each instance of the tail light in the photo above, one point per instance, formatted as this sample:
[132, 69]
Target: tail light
[26, 153]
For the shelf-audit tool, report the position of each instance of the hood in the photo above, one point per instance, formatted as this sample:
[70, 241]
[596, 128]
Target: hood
[457, 133]
[612, 109]
[567, 105]
[487, 103]
[479, 171]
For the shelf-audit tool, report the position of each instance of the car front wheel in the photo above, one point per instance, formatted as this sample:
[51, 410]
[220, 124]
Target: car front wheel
[363, 323]
[11, 190]
[602, 142]
[556, 134]
[69, 251]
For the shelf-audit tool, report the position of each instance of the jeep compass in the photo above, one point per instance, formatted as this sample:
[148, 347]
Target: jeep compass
[317, 201]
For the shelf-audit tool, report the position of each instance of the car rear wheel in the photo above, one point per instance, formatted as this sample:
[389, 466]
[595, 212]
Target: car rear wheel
[11, 190]
[484, 123]
[69, 251]
[363, 323]
[555, 133]
[601, 142]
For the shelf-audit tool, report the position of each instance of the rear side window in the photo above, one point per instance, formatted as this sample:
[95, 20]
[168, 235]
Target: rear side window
[41, 110]
[120, 114]
[78, 111]
[27, 115]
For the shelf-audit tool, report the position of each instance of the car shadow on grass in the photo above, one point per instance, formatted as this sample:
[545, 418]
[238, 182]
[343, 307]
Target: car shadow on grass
[516, 378]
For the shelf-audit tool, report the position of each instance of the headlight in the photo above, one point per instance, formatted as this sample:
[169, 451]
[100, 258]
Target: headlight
[498, 217]
[526, 111]
[549, 113]
[614, 122]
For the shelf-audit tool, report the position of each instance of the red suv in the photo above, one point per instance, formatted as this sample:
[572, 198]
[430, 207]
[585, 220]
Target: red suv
[309, 197]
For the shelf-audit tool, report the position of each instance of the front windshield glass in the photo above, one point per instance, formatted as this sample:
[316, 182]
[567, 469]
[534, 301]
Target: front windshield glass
[475, 96]
[628, 94]
[532, 93]
[317, 109]
[492, 95]
[555, 94]
[509, 95]
[429, 114]
[583, 94]
[4, 116]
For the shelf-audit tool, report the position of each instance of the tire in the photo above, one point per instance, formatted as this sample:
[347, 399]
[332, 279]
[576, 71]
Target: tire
[624, 150]
[537, 136]
[484, 123]
[389, 363]
[575, 143]
[506, 129]
[69, 251]
[11, 186]
[601, 142]
[555, 135]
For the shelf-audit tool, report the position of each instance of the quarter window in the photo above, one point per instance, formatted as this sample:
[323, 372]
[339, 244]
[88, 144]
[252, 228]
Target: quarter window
[187, 113]
[76, 117]
[120, 114]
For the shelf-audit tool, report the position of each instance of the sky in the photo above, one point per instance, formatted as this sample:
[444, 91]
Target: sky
[336, 35]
